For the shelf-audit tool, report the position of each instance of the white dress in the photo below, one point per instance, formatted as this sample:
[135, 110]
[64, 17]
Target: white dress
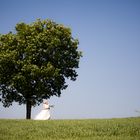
[44, 114]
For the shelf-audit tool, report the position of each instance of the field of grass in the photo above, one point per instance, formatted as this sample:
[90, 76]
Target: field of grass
[92, 129]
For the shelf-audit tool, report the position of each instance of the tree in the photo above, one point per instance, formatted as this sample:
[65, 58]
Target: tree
[35, 62]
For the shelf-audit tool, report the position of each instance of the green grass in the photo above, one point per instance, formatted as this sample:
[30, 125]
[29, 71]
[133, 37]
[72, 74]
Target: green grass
[92, 129]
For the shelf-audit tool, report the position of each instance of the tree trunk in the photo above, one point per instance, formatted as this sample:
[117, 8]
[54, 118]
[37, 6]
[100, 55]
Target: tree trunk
[28, 109]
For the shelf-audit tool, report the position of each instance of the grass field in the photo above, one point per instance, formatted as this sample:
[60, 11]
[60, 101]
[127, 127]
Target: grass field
[92, 129]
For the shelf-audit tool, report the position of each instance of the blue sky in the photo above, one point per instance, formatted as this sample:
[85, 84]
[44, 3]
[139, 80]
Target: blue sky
[108, 84]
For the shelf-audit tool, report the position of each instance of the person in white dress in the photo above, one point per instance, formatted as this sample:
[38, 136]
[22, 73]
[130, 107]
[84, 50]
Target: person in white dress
[45, 112]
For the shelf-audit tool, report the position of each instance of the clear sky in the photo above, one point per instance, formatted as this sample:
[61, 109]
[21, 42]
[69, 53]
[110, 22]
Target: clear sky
[108, 84]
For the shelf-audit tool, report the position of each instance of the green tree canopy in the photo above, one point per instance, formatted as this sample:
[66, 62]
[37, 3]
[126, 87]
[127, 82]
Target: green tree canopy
[35, 62]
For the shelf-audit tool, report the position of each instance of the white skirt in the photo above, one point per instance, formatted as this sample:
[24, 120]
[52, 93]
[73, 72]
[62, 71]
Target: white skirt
[43, 115]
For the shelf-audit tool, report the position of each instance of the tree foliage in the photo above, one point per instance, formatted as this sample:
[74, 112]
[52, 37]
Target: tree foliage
[35, 62]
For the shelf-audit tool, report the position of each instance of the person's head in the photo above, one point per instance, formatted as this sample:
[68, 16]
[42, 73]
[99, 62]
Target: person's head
[46, 102]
